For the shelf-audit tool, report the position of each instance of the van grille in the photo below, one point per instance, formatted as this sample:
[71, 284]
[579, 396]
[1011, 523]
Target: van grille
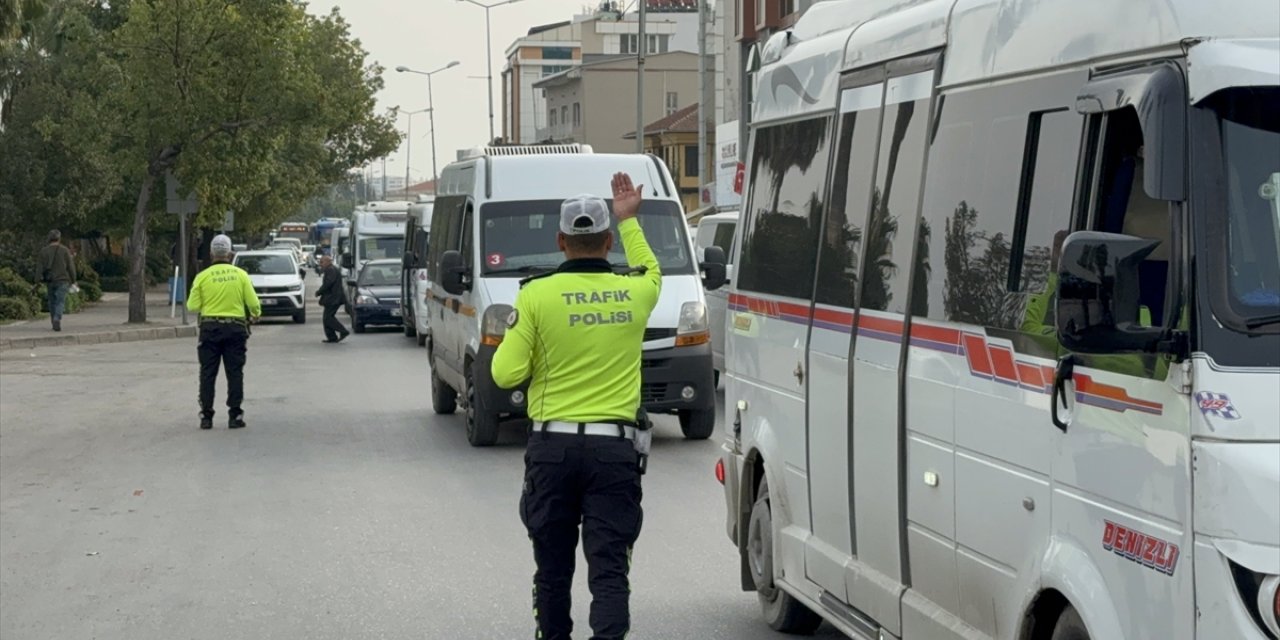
[658, 334]
[271, 289]
[653, 392]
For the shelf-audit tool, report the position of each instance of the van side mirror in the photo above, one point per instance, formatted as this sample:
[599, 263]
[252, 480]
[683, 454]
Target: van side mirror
[348, 261]
[408, 260]
[713, 268]
[453, 273]
[302, 273]
[1098, 299]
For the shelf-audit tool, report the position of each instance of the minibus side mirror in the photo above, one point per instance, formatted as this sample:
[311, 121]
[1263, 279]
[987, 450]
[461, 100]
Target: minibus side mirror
[348, 261]
[453, 274]
[713, 269]
[408, 260]
[302, 273]
[1098, 306]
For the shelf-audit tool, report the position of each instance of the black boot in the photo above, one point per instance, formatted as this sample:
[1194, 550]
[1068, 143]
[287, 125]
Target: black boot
[206, 421]
[236, 421]
[57, 325]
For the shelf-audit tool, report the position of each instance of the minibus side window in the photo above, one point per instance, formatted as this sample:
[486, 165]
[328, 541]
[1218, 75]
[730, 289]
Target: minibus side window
[1121, 205]
[723, 238]
[891, 222]
[784, 208]
[850, 196]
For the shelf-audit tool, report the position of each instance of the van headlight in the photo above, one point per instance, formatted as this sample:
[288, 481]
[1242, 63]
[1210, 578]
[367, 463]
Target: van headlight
[296, 288]
[494, 322]
[692, 328]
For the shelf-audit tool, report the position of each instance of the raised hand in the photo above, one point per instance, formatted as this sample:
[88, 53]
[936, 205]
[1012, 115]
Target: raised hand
[626, 197]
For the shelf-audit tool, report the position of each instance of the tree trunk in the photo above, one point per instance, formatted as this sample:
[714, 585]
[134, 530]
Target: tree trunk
[138, 252]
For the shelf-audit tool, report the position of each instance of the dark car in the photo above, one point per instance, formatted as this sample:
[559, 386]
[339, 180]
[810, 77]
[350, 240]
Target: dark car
[377, 295]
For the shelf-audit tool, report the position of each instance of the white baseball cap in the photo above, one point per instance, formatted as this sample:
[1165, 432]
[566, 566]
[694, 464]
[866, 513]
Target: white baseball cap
[584, 214]
[220, 245]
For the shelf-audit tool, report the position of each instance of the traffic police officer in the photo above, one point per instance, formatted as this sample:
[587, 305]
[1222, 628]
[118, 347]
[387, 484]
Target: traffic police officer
[224, 297]
[576, 336]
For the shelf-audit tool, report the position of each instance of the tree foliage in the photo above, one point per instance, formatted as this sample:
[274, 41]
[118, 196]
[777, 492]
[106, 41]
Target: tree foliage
[255, 106]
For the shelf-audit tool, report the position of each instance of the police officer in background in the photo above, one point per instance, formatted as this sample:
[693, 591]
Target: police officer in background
[224, 297]
[576, 336]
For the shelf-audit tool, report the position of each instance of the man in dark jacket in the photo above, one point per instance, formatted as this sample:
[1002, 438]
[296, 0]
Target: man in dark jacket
[58, 272]
[332, 298]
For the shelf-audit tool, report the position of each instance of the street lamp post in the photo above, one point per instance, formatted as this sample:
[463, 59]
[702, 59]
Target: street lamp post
[431, 116]
[488, 52]
[408, 149]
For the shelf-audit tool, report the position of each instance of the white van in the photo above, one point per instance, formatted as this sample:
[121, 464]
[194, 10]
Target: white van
[1005, 335]
[377, 233]
[717, 230]
[414, 286]
[495, 222]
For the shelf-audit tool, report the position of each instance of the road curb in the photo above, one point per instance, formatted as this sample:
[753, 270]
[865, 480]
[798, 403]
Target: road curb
[102, 337]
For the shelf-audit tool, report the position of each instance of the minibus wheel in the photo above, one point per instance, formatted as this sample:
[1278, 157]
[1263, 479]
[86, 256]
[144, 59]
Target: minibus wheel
[444, 400]
[482, 425]
[1070, 626]
[697, 424]
[781, 611]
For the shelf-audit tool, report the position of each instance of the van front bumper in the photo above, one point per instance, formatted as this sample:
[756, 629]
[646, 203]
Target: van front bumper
[665, 374]
[670, 375]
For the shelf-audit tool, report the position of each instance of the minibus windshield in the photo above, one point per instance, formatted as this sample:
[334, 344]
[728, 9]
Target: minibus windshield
[1250, 135]
[519, 237]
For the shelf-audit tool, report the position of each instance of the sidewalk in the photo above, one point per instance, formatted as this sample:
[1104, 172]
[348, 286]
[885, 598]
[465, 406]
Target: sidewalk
[103, 321]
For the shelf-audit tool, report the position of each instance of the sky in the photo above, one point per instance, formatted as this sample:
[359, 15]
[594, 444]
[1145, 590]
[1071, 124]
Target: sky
[427, 35]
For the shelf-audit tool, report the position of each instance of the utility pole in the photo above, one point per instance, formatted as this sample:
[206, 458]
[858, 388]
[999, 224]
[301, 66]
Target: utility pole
[642, 47]
[408, 155]
[488, 45]
[702, 97]
[384, 178]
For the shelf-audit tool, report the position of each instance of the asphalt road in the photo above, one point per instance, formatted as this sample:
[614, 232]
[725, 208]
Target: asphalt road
[346, 510]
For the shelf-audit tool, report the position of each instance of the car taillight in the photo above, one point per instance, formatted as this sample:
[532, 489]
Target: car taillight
[1269, 603]
[720, 474]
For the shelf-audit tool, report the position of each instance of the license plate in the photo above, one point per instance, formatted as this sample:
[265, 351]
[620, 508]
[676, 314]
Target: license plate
[395, 313]
[268, 301]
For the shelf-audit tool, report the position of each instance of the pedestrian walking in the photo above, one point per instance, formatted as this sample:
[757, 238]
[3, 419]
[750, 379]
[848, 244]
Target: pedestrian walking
[58, 273]
[576, 336]
[224, 297]
[332, 298]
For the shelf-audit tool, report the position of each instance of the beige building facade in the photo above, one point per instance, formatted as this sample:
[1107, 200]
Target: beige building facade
[594, 103]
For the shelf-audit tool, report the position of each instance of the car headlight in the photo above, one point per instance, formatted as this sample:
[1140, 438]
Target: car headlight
[692, 329]
[494, 323]
[364, 297]
[296, 288]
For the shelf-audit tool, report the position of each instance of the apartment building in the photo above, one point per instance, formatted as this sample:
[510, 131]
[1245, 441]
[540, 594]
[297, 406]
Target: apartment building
[595, 102]
[544, 51]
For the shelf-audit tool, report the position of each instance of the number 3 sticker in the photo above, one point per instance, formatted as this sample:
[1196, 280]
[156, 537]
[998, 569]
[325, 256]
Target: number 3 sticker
[495, 259]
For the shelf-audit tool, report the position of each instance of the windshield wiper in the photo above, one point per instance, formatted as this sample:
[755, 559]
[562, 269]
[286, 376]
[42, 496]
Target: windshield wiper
[1258, 321]
[532, 268]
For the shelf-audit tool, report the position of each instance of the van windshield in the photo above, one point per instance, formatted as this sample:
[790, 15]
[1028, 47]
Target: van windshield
[381, 247]
[266, 264]
[519, 237]
[1250, 137]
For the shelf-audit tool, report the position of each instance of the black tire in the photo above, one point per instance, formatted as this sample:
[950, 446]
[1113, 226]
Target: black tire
[1070, 626]
[444, 399]
[300, 317]
[697, 424]
[357, 327]
[780, 610]
[422, 339]
[482, 425]
[409, 326]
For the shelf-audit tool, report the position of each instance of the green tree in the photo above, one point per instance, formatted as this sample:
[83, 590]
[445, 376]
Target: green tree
[253, 104]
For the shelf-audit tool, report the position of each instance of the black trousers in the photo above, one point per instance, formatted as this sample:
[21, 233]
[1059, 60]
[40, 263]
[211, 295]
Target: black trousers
[332, 325]
[592, 481]
[222, 344]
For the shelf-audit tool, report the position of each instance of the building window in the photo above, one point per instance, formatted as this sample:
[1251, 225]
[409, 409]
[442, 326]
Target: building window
[564, 115]
[552, 69]
[658, 43]
[557, 53]
[787, 7]
[673, 102]
[553, 116]
[577, 115]
[691, 163]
